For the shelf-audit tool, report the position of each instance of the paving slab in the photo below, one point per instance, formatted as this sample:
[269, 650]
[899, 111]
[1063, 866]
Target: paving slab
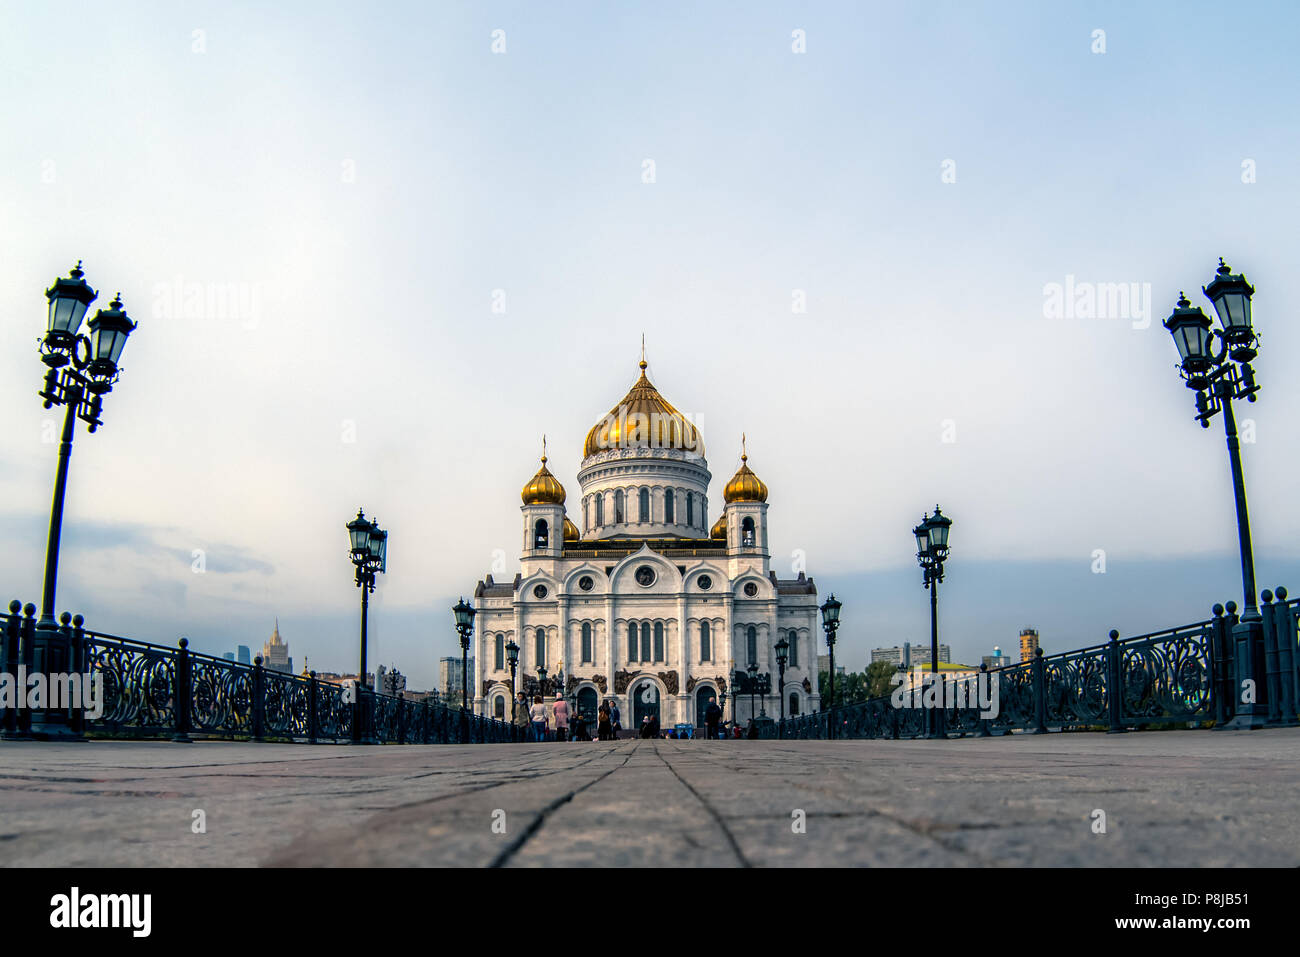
[1172, 798]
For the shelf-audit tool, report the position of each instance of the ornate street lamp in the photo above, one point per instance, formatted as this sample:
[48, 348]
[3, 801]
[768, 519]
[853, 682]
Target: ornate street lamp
[932, 552]
[367, 545]
[464, 614]
[830, 624]
[782, 656]
[753, 686]
[1218, 376]
[512, 656]
[82, 370]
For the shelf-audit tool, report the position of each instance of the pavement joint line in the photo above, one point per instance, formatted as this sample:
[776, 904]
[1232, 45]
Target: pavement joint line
[731, 838]
[514, 846]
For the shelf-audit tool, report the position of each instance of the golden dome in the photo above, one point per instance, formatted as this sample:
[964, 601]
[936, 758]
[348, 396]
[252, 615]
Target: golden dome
[649, 421]
[570, 530]
[745, 486]
[719, 529]
[543, 488]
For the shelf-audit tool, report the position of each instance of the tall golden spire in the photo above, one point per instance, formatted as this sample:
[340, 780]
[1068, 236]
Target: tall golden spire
[643, 352]
[744, 486]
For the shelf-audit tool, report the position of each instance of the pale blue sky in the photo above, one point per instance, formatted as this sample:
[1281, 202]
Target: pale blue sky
[367, 175]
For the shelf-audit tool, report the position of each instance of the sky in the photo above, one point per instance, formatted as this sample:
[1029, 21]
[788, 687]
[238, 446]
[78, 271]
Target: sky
[376, 251]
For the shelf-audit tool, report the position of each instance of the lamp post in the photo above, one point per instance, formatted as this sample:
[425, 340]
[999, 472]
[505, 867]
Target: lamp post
[82, 369]
[368, 549]
[932, 552]
[1218, 376]
[464, 615]
[512, 656]
[753, 685]
[830, 624]
[782, 656]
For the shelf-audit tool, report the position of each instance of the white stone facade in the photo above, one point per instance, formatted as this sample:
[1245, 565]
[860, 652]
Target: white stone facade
[642, 606]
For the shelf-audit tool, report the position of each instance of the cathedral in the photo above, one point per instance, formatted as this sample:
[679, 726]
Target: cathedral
[646, 603]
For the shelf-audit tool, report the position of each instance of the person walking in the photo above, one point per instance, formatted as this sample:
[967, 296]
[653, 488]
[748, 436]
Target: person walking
[615, 724]
[712, 715]
[537, 714]
[561, 711]
[521, 715]
[604, 729]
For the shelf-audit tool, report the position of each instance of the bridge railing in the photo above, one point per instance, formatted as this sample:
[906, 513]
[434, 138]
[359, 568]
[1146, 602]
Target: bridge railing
[1190, 674]
[152, 691]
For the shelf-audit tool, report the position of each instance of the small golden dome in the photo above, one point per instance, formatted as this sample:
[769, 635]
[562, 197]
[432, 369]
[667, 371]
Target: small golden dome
[570, 531]
[719, 529]
[745, 486]
[649, 421]
[543, 488]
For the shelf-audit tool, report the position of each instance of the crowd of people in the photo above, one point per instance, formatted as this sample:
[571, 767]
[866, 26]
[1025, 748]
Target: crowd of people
[558, 722]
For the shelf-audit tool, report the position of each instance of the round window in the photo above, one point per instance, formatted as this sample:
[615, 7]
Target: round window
[585, 583]
[645, 576]
[539, 591]
[705, 582]
[751, 589]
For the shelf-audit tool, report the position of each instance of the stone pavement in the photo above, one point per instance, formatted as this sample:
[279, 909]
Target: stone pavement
[1171, 798]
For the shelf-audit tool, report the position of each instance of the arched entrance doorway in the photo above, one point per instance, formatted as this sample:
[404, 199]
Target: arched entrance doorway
[645, 702]
[587, 705]
[702, 697]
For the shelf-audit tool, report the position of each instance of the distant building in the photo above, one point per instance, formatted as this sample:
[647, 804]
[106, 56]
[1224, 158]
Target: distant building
[909, 654]
[824, 664]
[997, 659]
[275, 653]
[229, 656]
[449, 674]
[1028, 643]
[243, 655]
[948, 671]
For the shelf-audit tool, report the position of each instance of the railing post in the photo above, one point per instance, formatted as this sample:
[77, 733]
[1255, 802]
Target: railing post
[1286, 633]
[1220, 667]
[259, 700]
[1114, 685]
[10, 658]
[181, 691]
[1040, 693]
[1272, 615]
[313, 703]
[27, 655]
[77, 653]
[987, 679]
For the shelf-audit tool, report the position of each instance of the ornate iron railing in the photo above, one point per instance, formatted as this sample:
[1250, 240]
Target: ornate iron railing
[151, 690]
[1181, 675]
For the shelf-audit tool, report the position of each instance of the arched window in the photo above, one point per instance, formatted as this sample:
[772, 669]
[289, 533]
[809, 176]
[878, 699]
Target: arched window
[645, 641]
[586, 642]
[501, 652]
[543, 533]
[747, 532]
[600, 509]
[690, 509]
[659, 641]
[751, 643]
[631, 641]
[669, 515]
[706, 642]
[794, 703]
[498, 707]
[539, 649]
[645, 505]
[794, 648]
[618, 507]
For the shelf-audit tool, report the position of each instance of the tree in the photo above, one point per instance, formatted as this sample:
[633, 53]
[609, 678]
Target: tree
[879, 676]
